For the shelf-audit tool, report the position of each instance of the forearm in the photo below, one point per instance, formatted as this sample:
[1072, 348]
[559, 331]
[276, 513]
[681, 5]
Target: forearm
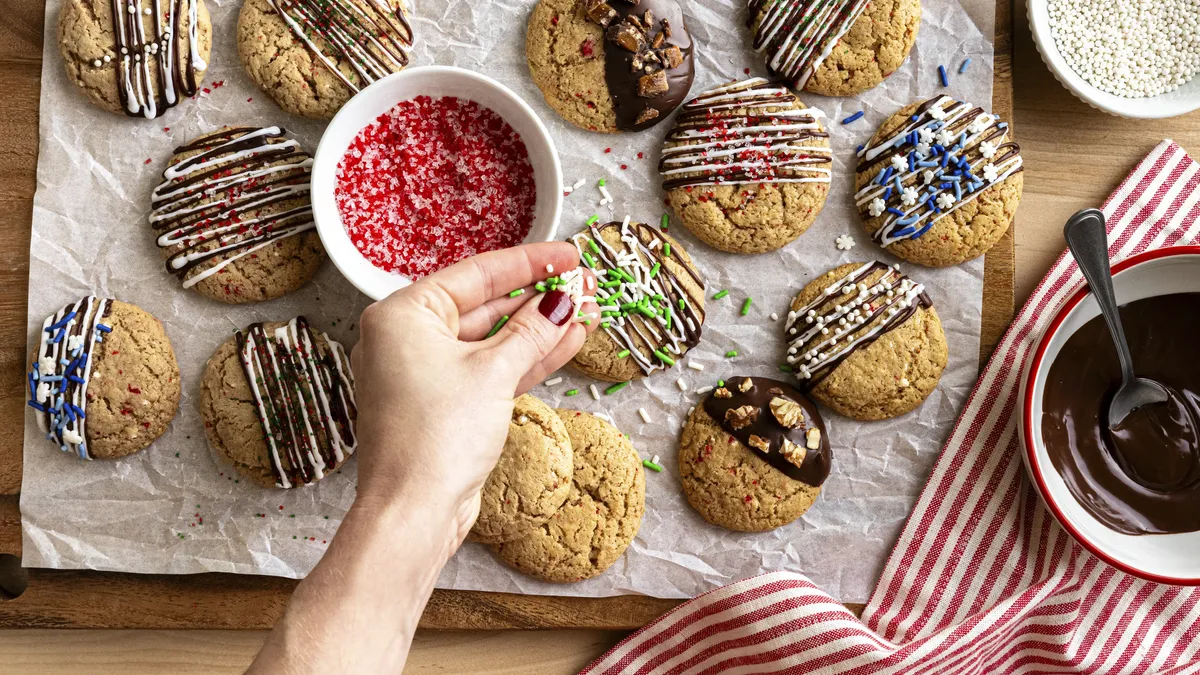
[358, 609]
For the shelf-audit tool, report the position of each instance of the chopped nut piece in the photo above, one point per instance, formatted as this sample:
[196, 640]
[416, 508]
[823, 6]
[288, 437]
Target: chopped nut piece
[637, 63]
[658, 40]
[627, 36]
[775, 391]
[792, 452]
[673, 56]
[813, 438]
[745, 385]
[648, 19]
[722, 392]
[602, 13]
[787, 413]
[742, 416]
[646, 115]
[636, 21]
[666, 27]
[760, 443]
[652, 85]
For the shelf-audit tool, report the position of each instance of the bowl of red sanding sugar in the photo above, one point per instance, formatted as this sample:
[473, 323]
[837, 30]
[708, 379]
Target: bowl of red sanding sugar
[427, 167]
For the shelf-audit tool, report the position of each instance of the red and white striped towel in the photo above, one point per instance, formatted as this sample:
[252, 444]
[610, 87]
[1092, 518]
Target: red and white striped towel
[982, 580]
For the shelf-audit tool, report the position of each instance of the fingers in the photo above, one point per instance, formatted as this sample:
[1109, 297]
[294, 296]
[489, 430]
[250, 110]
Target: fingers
[485, 277]
[477, 323]
[533, 334]
[557, 358]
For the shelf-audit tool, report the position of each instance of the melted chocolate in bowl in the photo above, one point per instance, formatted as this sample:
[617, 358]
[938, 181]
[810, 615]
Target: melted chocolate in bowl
[1144, 476]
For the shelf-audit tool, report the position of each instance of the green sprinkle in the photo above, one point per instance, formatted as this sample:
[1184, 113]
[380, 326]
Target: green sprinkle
[663, 357]
[587, 259]
[746, 306]
[623, 353]
[592, 245]
[605, 323]
[651, 465]
[572, 392]
[785, 368]
[616, 387]
[720, 383]
[587, 322]
[665, 221]
[731, 353]
[654, 270]
[682, 303]
[541, 287]
[600, 183]
[720, 294]
[517, 292]
[592, 221]
[667, 249]
[499, 324]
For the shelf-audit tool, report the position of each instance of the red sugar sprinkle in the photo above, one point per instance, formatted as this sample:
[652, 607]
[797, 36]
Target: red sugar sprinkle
[624, 166]
[607, 150]
[640, 155]
[147, 161]
[132, 389]
[746, 71]
[587, 48]
[433, 181]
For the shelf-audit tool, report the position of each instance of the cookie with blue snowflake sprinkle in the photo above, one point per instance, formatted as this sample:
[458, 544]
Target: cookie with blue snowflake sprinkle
[939, 182]
[103, 383]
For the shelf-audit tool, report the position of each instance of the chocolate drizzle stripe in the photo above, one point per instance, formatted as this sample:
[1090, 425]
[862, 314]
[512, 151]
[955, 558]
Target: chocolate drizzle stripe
[135, 81]
[798, 35]
[825, 332]
[304, 399]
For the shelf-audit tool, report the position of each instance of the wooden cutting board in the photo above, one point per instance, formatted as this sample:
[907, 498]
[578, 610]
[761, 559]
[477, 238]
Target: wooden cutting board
[71, 599]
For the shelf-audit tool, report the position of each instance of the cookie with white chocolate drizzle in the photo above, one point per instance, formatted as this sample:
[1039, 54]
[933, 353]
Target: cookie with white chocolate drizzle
[136, 57]
[865, 340]
[651, 300]
[295, 389]
[798, 35]
[939, 182]
[233, 217]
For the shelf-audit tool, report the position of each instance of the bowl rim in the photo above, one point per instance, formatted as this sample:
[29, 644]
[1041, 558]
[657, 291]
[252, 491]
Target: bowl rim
[345, 266]
[1031, 461]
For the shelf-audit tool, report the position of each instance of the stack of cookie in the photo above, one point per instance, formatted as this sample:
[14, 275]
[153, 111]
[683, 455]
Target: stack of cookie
[567, 496]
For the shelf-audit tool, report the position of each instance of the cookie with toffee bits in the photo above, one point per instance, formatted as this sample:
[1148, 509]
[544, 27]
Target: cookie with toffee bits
[864, 340]
[233, 218]
[747, 167]
[601, 515]
[135, 57]
[103, 382]
[753, 455]
[531, 480]
[311, 56]
[834, 48]
[277, 402]
[610, 65]
[651, 299]
[939, 182]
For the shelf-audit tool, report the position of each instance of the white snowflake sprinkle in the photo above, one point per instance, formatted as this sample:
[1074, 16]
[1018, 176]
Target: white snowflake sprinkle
[899, 162]
[925, 135]
[987, 149]
[990, 172]
[909, 196]
[845, 242]
[929, 176]
[945, 137]
[945, 200]
[876, 207]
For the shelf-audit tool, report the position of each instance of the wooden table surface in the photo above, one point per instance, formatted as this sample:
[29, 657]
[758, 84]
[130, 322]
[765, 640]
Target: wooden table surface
[1074, 157]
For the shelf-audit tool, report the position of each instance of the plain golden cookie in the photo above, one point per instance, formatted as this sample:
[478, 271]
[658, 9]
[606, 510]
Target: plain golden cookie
[231, 416]
[978, 219]
[120, 373]
[88, 44]
[602, 513]
[602, 355]
[758, 194]
[892, 371]
[254, 191]
[875, 46]
[314, 75]
[532, 478]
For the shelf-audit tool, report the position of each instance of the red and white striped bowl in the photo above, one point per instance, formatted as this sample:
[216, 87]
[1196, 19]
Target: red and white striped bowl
[1164, 558]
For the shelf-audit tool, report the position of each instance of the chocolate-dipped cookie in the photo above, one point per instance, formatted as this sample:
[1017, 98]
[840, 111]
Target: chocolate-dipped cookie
[747, 166]
[651, 299]
[753, 455]
[865, 340]
[610, 65]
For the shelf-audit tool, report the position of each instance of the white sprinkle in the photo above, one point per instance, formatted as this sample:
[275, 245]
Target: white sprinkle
[567, 189]
[578, 184]
[522, 420]
[107, 58]
[604, 417]
[691, 410]
[703, 390]
[655, 460]
[595, 391]
[695, 366]
[146, 11]
[645, 415]
[774, 316]
[625, 223]
[552, 382]
[607, 196]
[681, 384]
[97, 63]
[549, 269]
[844, 242]
[904, 382]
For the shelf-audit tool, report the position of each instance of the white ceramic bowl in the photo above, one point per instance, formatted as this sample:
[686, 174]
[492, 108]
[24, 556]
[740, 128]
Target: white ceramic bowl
[1182, 100]
[380, 97]
[1164, 558]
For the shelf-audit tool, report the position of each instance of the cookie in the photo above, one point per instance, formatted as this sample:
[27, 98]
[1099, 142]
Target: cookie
[939, 182]
[233, 218]
[647, 325]
[134, 61]
[602, 513]
[753, 455]
[531, 480]
[249, 396]
[311, 56]
[841, 48]
[104, 383]
[610, 65]
[747, 166]
[864, 340]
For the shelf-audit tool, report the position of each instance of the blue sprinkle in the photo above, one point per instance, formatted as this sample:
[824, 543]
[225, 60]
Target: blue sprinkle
[923, 230]
[944, 186]
[958, 191]
[78, 410]
[52, 378]
[942, 76]
[37, 406]
[32, 387]
[853, 117]
[62, 322]
[58, 338]
[895, 211]
[64, 362]
[859, 149]
[77, 379]
[952, 179]
[887, 194]
[1002, 125]
[963, 68]
[912, 162]
[937, 148]
[908, 220]
[69, 413]
[916, 118]
[928, 164]
[945, 160]
[898, 184]
[902, 232]
[83, 451]
[102, 328]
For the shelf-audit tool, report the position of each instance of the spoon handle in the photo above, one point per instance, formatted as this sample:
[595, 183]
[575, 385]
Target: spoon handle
[1088, 241]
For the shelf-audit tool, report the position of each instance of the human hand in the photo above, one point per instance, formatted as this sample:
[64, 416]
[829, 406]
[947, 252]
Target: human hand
[435, 394]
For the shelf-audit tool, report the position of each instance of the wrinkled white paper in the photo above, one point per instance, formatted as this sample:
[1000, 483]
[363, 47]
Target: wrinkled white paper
[176, 509]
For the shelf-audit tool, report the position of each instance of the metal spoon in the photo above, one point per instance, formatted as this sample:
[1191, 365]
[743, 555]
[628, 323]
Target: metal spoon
[1088, 242]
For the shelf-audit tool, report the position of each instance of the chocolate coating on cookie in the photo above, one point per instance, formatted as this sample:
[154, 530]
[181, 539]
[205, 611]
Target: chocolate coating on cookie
[777, 421]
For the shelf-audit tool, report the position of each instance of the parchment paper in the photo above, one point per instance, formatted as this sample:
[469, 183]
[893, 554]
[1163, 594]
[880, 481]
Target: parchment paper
[176, 509]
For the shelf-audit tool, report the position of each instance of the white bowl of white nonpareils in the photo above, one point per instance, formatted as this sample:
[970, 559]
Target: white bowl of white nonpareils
[1133, 58]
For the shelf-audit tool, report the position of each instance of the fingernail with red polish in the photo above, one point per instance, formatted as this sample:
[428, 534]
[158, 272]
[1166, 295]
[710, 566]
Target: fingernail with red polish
[556, 307]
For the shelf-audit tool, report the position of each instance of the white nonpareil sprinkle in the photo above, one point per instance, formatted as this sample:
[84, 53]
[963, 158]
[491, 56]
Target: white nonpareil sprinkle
[681, 384]
[553, 381]
[695, 366]
[595, 392]
[774, 316]
[644, 415]
[1132, 48]
[549, 269]
[704, 390]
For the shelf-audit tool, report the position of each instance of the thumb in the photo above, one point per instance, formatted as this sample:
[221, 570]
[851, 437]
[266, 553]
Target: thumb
[532, 333]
